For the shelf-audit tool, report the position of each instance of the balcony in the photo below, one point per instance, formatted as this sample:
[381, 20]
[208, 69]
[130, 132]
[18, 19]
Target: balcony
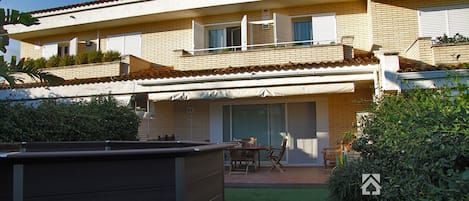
[125, 65]
[426, 50]
[264, 54]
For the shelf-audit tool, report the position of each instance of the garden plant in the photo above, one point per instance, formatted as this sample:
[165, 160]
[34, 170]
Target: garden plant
[418, 141]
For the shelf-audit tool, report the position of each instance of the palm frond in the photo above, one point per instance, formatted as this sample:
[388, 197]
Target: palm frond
[7, 71]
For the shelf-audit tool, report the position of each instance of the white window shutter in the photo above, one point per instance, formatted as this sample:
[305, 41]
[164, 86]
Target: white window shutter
[458, 20]
[197, 35]
[73, 46]
[115, 43]
[282, 28]
[244, 33]
[433, 23]
[49, 50]
[324, 28]
[133, 45]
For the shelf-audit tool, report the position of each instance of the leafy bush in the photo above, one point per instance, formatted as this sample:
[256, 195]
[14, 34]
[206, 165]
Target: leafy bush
[95, 56]
[81, 58]
[419, 143]
[111, 56]
[67, 60]
[99, 119]
[345, 181]
[457, 38]
[53, 61]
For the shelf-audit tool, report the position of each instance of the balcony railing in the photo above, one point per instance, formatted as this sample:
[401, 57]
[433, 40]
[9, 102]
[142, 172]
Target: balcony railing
[262, 46]
[264, 54]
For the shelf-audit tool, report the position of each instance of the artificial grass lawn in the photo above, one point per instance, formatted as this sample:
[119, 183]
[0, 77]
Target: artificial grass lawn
[276, 194]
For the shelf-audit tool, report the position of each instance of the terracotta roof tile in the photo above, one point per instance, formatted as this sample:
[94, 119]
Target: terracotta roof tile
[72, 6]
[409, 65]
[169, 72]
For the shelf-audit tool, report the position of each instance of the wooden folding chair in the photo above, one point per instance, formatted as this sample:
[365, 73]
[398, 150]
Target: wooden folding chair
[275, 157]
[329, 155]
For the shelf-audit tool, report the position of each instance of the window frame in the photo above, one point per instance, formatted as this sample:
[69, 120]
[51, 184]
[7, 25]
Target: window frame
[220, 26]
[446, 10]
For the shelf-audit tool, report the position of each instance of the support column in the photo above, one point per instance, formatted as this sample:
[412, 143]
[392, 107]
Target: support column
[388, 69]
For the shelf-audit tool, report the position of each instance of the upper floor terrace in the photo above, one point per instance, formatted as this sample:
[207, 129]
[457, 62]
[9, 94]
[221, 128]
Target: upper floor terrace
[200, 35]
[193, 35]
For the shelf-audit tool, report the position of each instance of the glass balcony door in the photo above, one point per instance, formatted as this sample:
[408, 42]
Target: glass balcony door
[216, 38]
[302, 31]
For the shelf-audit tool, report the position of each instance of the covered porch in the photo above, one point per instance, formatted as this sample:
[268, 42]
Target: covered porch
[312, 116]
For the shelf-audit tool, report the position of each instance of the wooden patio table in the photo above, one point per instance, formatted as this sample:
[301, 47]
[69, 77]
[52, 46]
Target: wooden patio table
[255, 149]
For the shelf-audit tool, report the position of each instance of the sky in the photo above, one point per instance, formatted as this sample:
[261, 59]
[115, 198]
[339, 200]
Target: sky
[30, 5]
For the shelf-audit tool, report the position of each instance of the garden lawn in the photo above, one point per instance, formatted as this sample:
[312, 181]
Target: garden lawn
[276, 194]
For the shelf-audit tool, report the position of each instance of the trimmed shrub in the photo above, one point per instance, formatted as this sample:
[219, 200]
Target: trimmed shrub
[81, 58]
[111, 56]
[419, 143]
[67, 60]
[95, 56]
[457, 38]
[29, 62]
[53, 61]
[99, 119]
[40, 63]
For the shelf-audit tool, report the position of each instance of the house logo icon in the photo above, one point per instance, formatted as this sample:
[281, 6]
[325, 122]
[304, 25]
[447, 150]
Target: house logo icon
[373, 180]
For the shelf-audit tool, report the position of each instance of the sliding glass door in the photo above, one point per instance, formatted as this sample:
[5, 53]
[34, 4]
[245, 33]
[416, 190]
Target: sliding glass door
[266, 122]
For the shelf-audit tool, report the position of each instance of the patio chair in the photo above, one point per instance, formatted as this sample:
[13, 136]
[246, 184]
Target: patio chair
[276, 155]
[330, 154]
[240, 160]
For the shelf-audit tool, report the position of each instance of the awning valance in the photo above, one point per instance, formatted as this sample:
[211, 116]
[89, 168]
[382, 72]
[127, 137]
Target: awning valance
[273, 91]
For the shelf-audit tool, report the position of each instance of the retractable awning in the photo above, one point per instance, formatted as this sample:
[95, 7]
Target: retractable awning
[272, 91]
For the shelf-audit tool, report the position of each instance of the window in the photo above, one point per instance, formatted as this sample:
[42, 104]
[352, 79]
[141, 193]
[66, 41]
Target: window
[220, 35]
[435, 22]
[216, 38]
[63, 49]
[60, 48]
[224, 37]
[321, 28]
[125, 44]
[302, 31]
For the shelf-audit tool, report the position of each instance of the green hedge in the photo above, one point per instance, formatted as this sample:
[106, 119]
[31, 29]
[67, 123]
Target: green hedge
[99, 119]
[419, 143]
[70, 60]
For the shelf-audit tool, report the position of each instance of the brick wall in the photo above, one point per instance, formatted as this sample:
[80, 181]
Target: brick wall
[343, 109]
[175, 117]
[451, 53]
[259, 57]
[193, 120]
[87, 70]
[420, 50]
[162, 122]
[395, 23]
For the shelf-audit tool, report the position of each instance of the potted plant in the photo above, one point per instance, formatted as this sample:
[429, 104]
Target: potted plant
[348, 138]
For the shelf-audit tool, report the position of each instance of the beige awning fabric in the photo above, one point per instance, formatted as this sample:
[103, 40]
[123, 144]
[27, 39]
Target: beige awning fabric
[274, 91]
